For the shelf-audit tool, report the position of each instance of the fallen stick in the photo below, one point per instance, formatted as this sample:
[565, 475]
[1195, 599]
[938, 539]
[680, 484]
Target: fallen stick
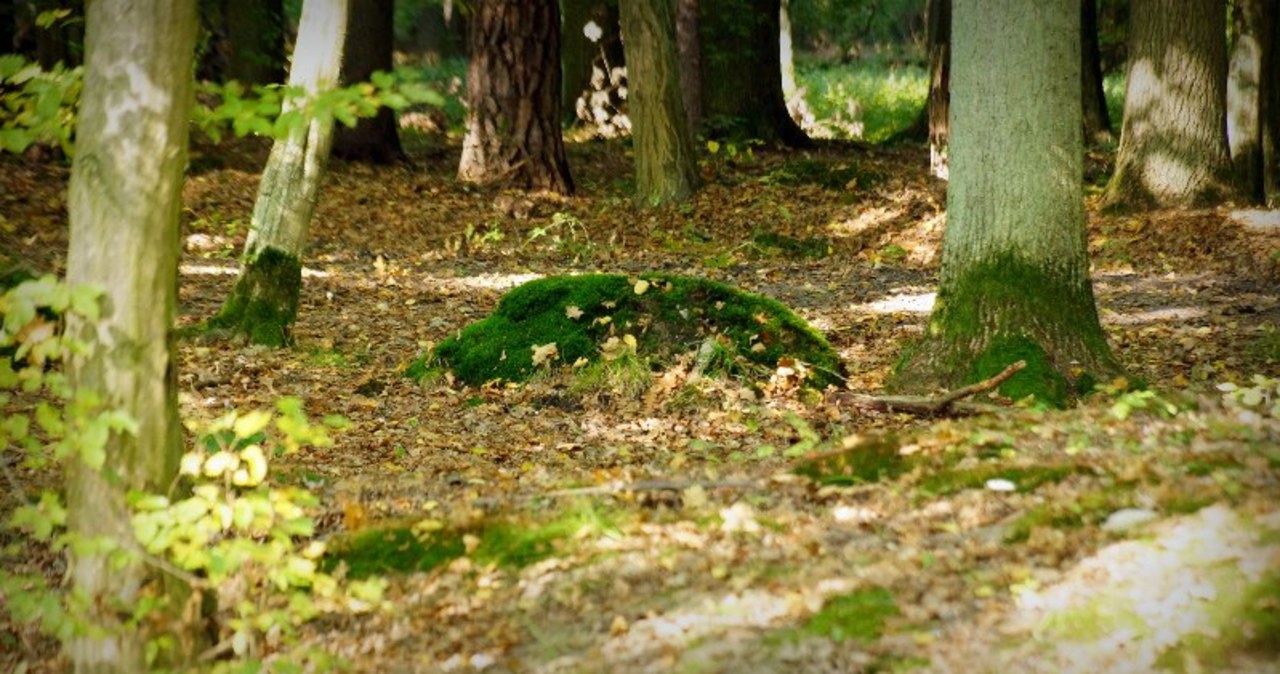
[932, 405]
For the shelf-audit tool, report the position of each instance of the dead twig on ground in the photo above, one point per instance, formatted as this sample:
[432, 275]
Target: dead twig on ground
[932, 405]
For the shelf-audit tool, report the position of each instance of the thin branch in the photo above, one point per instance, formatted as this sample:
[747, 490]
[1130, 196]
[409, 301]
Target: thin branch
[932, 405]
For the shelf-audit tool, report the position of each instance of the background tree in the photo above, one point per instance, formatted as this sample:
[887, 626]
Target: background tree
[666, 167]
[246, 41]
[1252, 26]
[1014, 281]
[1173, 141]
[1097, 119]
[124, 202]
[742, 72]
[513, 97]
[689, 56]
[371, 35]
[264, 301]
[933, 122]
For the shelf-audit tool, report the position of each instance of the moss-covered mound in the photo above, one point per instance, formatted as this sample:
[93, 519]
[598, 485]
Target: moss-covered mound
[667, 315]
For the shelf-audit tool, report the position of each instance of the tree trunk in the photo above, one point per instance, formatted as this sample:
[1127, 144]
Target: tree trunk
[689, 55]
[264, 302]
[1173, 141]
[1097, 119]
[742, 72]
[1245, 96]
[1271, 106]
[579, 53]
[124, 203]
[513, 97]
[368, 49]
[786, 57]
[1014, 283]
[246, 41]
[932, 123]
[666, 167]
[439, 32]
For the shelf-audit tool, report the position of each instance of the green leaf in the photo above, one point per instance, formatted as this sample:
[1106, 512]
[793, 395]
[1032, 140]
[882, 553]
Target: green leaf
[84, 301]
[50, 419]
[251, 423]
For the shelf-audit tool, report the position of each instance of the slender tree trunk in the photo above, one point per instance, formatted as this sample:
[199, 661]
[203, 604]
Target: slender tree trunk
[1097, 119]
[264, 302]
[1245, 96]
[1015, 281]
[666, 167]
[1173, 141]
[124, 202]
[786, 56]
[1271, 105]
[367, 50]
[742, 72]
[932, 124]
[689, 54]
[513, 96]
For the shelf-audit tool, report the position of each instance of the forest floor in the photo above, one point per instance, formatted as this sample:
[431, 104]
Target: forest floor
[670, 532]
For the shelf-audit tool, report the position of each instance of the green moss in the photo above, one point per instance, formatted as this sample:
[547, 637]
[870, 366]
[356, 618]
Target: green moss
[872, 460]
[859, 615]
[1038, 380]
[405, 547]
[264, 302]
[1005, 310]
[675, 314]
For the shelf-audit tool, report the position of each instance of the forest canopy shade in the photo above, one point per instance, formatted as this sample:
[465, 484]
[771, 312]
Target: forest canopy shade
[668, 315]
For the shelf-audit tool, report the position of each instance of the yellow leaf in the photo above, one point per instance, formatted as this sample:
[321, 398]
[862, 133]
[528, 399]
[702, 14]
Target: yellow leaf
[573, 313]
[641, 287]
[544, 353]
[251, 423]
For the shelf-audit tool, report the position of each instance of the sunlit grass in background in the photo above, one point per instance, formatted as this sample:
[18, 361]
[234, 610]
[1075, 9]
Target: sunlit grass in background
[1113, 89]
[864, 100]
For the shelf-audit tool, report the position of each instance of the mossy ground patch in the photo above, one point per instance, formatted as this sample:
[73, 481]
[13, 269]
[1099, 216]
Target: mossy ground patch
[668, 315]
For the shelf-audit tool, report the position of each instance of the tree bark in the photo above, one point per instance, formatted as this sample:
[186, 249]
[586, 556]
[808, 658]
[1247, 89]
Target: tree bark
[1245, 95]
[1271, 106]
[932, 124]
[742, 72]
[1097, 119]
[264, 301]
[513, 96]
[246, 41]
[1173, 140]
[1014, 282]
[666, 166]
[124, 203]
[367, 50]
[689, 54]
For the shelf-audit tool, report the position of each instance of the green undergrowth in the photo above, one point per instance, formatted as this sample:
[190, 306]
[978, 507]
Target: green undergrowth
[424, 544]
[568, 320]
[873, 460]
[836, 176]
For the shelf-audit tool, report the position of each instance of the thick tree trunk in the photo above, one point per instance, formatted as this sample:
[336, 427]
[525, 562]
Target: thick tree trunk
[1173, 141]
[689, 54]
[246, 41]
[1015, 282]
[124, 202]
[666, 167]
[1245, 96]
[513, 97]
[1097, 119]
[264, 302]
[367, 50]
[579, 54]
[742, 72]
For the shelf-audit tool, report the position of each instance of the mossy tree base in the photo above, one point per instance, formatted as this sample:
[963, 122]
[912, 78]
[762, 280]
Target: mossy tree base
[1002, 311]
[667, 315]
[264, 302]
